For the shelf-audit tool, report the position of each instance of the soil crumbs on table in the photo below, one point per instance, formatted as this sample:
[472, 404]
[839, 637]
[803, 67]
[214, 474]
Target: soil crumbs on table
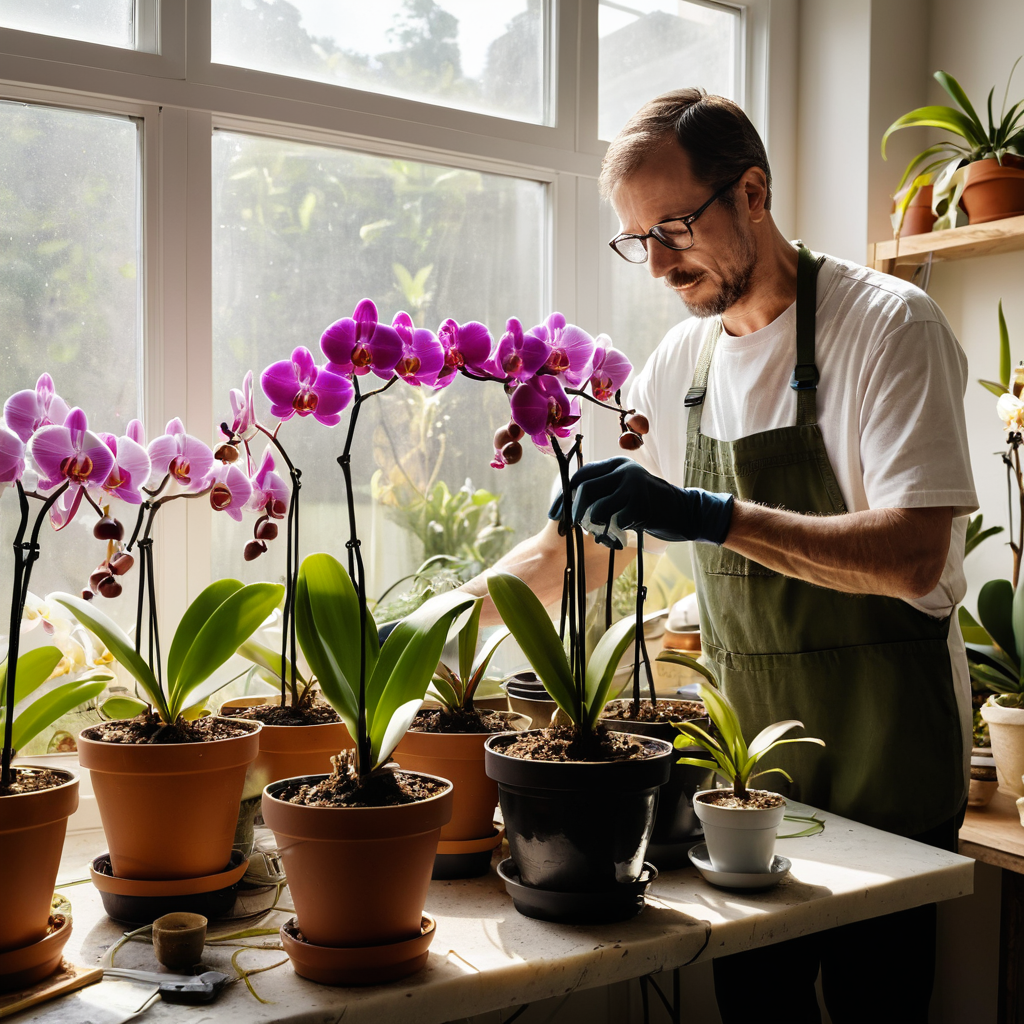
[460, 721]
[663, 711]
[33, 780]
[313, 712]
[755, 800]
[150, 728]
[385, 787]
[563, 743]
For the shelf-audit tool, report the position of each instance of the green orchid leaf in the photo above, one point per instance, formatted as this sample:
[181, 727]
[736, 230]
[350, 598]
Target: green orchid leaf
[770, 771]
[1018, 624]
[467, 642]
[120, 646]
[520, 609]
[269, 659]
[727, 722]
[692, 731]
[768, 736]
[995, 609]
[937, 117]
[988, 654]
[925, 154]
[1004, 349]
[956, 92]
[602, 665]
[483, 659]
[697, 762]
[34, 668]
[782, 743]
[398, 726]
[42, 713]
[228, 626]
[972, 632]
[120, 708]
[445, 692]
[994, 386]
[678, 658]
[196, 616]
[991, 679]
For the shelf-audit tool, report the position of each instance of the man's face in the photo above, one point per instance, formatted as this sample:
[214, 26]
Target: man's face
[716, 271]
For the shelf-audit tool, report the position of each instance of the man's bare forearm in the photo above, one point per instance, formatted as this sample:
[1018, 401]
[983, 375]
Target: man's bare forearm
[890, 551]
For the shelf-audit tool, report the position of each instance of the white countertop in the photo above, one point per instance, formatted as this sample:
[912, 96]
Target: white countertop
[485, 955]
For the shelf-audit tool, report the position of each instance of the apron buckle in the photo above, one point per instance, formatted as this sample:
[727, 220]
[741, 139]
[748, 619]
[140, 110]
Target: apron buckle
[805, 377]
[695, 396]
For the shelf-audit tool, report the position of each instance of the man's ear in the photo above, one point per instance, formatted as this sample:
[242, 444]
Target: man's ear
[755, 190]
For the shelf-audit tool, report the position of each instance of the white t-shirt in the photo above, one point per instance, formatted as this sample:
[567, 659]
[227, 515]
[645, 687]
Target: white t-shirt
[889, 403]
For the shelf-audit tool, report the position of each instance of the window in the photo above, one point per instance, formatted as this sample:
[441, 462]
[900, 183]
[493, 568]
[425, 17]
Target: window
[111, 22]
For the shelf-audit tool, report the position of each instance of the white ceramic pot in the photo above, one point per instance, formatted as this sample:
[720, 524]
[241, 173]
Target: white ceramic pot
[1006, 728]
[740, 839]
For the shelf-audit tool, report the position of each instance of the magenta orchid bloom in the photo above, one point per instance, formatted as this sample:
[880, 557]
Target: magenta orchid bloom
[543, 409]
[269, 492]
[243, 412]
[179, 455]
[26, 411]
[422, 355]
[518, 355]
[359, 344]
[230, 490]
[12, 457]
[609, 369]
[131, 468]
[572, 349]
[467, 346]
[69, 453]
[298, 385]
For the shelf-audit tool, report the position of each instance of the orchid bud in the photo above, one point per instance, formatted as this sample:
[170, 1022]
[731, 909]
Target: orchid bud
[512, 452]
[98, 576]
[254, 549]
[121, 563]
[108, 529]
[630, 441]
[515, 432]
[277, 509]
[1017, 385]
[265, 530]
[109, 587]
[638, 423]
[226, 453]
[87, 595]
[502, 437]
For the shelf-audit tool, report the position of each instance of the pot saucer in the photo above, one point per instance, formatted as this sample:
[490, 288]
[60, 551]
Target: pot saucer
[619, 904]
[466, 858]
[22, 967]
[142, 901]
[357, 965]
[734, 879]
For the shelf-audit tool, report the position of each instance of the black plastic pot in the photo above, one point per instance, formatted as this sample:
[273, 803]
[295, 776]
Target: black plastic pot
[676, 827]
[578, 826]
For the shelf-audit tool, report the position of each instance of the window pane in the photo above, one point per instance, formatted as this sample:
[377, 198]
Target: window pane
[458, 53]
[94, 21]
[648, 47]
[301, 234]
[69, 301]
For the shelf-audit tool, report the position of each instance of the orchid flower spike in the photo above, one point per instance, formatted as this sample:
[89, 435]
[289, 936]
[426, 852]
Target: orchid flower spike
[298, 385]
[26, 411]
[181, 456]
[360, 343]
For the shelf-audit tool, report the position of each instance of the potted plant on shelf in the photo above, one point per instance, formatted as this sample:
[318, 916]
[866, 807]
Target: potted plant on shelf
[739, 823]
[981, 165]
[449, 741]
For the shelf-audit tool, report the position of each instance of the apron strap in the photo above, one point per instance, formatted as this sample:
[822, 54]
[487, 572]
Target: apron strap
[694, 399]
[805, 373]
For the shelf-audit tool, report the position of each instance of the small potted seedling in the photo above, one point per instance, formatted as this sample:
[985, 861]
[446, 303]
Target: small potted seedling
[449, 741]
[739, 823]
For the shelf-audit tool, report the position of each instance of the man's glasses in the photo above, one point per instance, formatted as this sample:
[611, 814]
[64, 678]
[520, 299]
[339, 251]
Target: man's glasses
[675, 233]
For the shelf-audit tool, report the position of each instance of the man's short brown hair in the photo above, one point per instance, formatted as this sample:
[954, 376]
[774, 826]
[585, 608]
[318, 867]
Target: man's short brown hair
[715, 133]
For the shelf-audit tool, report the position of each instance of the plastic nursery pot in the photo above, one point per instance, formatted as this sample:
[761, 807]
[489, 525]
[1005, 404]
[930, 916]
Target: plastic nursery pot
[1006, 728]
[991, 191]
[676, 826]
[527, 696]
[32, 828]
[358, 875]
[740, 839]
[578, 826]
[169, 810]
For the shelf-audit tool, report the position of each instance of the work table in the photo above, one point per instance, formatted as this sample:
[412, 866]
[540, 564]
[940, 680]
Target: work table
[485, 955]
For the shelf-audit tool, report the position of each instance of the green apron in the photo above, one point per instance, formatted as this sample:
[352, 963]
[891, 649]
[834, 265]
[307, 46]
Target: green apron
[869, 675]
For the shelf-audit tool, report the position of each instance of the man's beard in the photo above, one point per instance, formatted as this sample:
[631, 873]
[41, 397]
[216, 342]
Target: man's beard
[733, 288]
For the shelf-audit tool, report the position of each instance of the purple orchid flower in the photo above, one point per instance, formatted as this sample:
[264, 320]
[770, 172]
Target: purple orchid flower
[571, 349]
[609, 369]
[26, 411]
[543, 409]
[179, 455]
[269, 491]
[422, 355]
[12, 457]
[230, 490]
[519, 354]
[298, 385]
[468, 345]
[131, 468]
[70, 453]
[243, 411]
[359, 344]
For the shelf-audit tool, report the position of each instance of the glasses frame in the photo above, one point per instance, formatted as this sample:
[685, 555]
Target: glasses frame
[656, 233]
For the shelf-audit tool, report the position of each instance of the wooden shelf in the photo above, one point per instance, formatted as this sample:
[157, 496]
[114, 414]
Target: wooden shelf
[993, 834]
[904, 256]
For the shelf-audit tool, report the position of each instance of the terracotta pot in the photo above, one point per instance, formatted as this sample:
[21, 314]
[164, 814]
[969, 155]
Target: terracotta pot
[20, 968]
[459, 757]
[991, 191]
[32, 827]
[1006, 727]
[169, 809]
[358, 875]
[287, 751]
[919, 216]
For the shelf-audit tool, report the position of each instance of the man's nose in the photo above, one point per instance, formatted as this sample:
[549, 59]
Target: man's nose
[660, 260]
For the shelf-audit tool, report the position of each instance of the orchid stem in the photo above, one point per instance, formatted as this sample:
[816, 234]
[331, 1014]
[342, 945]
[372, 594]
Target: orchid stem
[581, 393]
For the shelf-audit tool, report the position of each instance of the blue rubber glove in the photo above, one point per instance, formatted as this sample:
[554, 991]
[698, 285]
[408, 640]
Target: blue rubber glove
[621, 493]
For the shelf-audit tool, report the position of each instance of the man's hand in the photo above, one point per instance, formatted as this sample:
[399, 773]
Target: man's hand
[638, 500]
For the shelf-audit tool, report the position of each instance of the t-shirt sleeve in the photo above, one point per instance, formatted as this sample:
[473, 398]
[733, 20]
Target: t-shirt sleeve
[913, 432]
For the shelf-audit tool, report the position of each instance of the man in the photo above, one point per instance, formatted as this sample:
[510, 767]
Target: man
[820, 456]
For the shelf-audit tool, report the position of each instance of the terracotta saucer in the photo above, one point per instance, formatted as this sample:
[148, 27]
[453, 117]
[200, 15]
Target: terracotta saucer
[357, 965]
[22, 967]
[466, 858]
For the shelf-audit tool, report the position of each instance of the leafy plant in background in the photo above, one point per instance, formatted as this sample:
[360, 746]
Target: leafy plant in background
[973, 140]
[455, 690]
[975, 534]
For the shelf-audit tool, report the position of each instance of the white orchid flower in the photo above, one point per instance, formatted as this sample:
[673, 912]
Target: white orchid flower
[1011, 411]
